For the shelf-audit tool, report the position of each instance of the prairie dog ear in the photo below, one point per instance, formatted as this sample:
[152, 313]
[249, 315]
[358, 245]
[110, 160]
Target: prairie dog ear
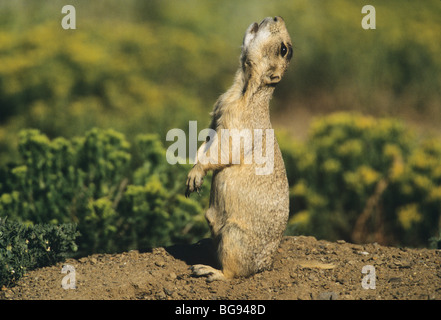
[250, 34]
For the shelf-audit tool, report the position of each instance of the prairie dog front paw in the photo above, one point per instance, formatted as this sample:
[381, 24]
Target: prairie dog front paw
[194, 180]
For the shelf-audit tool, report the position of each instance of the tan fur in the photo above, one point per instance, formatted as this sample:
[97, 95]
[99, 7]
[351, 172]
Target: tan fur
[248, 212]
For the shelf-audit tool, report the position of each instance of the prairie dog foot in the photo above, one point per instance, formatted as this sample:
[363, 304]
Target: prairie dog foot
[211, 273]
[194, 180]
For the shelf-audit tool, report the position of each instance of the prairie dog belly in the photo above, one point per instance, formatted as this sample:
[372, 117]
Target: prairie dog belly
[258, 203]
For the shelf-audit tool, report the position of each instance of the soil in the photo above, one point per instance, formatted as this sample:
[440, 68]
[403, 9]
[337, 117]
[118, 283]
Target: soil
[305, 268]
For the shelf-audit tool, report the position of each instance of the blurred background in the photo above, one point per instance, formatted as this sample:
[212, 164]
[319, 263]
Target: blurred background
[141, 67]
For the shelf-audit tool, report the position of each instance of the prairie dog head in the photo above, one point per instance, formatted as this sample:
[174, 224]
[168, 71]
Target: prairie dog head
[266, 51]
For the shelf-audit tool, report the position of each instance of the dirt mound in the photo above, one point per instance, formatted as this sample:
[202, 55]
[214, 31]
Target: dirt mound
[304, 268]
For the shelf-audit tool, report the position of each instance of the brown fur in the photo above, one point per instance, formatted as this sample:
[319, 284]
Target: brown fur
[248, 212]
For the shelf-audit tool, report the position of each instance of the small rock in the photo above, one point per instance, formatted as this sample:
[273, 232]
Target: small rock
[168, 292]
[403, 263]
[134, 254]
[159, 251]
[160, 263]
[172, 276]
[341, 241]
[313, 278]
[394, 280]
[304, 296]
[327, 296]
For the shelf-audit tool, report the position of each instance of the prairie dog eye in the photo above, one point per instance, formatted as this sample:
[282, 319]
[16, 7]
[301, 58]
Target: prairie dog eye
[283, 50]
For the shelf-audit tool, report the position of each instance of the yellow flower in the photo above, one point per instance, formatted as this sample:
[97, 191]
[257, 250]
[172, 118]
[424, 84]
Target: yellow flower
[423, 182]
[393, 152]
[353, 147]
[364, 122]
[301, 217]
[299, 189]
[331, 166]
[435, 194]
[409, 215]
[368, 175]
[396, 170]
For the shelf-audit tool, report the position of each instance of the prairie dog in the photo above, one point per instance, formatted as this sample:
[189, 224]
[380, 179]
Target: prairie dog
[248, 212]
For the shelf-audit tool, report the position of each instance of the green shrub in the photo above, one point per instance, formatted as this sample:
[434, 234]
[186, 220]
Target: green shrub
[360, 178]
[130, 79]
[23, 248]
[435, 242]
[87, 181]
[134, 76]
[57, 179]
[153, 210]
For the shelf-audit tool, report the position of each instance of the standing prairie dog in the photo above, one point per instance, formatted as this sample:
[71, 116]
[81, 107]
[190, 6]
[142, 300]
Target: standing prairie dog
[248, 212]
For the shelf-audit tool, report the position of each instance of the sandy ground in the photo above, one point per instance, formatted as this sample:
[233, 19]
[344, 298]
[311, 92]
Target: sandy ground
[304, 269]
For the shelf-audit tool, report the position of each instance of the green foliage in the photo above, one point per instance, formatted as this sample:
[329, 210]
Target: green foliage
[360, 178]
[129, 79]
[153, 209]
[154, 65]
[58, 177]
[435, 242]
[86, 181]
[153, 216]
[23, 248]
